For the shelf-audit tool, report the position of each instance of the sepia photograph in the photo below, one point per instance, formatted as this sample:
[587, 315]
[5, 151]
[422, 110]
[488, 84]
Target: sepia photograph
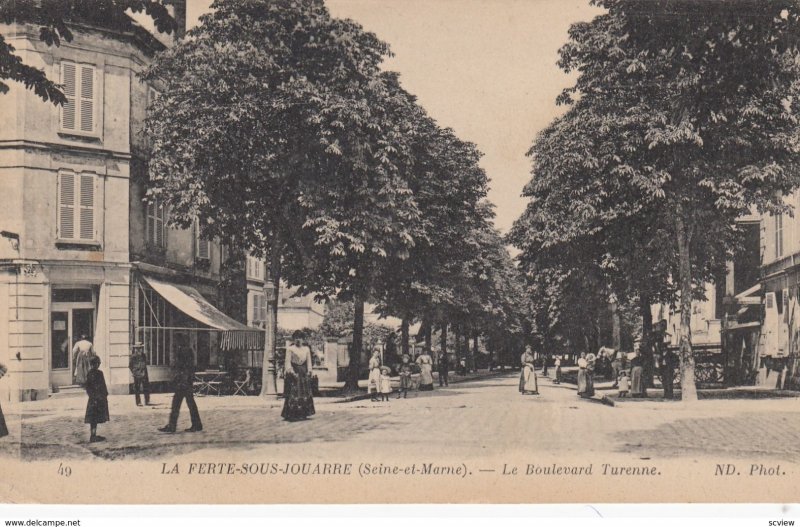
[399, 251]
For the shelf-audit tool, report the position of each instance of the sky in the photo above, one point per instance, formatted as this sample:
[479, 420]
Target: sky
[486, 68]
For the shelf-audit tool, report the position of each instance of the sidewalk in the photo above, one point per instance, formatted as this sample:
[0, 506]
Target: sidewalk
[608, 394]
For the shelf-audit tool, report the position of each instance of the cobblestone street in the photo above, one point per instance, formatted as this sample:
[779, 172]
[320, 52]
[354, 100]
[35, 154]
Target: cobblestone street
[466, 419]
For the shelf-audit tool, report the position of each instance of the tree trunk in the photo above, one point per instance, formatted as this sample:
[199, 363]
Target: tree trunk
[351, 382]
[467, 352]
[428, 336]
[688, 388]
[457, 350]
[616, 339]
[647, 340]
[272, 286]
[443, 337]
[475, 350]
[404, 338]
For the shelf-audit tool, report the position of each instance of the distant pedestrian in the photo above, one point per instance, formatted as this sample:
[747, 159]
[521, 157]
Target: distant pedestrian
[385, 383]
[298, 398]
[97, 405]
[184, 384]
[373, 386]
[3, 427]
[444, 369]
[405, 376]
[545, 362]
[558, 370]
[137, 364]
[668, 363]
[425, 363]
[611, 355]
[528, 383]
[82, 352]
[582, 382]
[637, 374]
[623, 383]
[591, 366]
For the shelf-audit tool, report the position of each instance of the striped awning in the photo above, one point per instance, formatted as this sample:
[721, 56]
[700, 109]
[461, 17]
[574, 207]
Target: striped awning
[235, 335]
[243, 339]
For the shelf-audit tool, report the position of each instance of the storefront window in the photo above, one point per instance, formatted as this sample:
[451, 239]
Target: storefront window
[72, 295]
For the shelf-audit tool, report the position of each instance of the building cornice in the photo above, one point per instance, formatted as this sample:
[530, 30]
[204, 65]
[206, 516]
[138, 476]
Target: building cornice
[11, 144]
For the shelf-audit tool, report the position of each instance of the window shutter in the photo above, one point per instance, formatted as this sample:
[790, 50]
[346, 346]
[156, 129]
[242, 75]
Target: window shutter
[151, 228]
[769, 240]
[160, 224]
[69, 81]
[203, 249]
[201, 245]
[87, 208]
[66, 206]
[87, 99]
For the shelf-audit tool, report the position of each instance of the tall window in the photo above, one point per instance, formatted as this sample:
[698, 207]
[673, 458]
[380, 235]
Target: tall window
[78, 114]
[778, 235]
[76, 207]
[155, 315]
[156, 223]
[259, 309]
[255, 268]
[202, 246]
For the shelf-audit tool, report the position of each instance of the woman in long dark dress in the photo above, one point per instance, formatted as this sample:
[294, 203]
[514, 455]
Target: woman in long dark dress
[3, 427]
[298, 400]
[97, 406]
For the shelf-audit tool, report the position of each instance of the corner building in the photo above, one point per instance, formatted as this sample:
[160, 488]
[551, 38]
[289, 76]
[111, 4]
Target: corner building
[80, 252]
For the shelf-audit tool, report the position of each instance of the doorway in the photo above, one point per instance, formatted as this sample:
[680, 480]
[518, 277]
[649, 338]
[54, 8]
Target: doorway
[70, 320]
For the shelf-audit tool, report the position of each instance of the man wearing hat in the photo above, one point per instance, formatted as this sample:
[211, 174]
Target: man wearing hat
[138, 366]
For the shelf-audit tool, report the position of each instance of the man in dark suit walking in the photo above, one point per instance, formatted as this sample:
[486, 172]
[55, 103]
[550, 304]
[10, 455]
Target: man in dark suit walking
[137, 363]
[444, 369]
[183, 380]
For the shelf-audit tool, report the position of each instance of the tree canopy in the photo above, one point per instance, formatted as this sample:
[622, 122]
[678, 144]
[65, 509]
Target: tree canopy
[684, 114]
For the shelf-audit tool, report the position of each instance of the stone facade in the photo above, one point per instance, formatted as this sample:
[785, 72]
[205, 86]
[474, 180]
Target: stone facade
[75, 231]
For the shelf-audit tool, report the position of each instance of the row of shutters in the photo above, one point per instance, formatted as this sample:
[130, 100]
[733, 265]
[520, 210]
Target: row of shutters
[76, 194]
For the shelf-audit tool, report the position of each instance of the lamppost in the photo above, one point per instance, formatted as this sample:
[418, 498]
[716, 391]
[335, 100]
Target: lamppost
[269, 378]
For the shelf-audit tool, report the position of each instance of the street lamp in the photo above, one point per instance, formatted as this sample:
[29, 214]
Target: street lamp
[269, 378]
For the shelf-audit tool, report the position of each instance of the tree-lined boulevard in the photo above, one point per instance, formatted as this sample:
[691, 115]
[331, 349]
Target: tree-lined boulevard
[278, 129]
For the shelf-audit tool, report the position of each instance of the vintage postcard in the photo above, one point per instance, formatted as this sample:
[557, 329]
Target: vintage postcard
[399, 251]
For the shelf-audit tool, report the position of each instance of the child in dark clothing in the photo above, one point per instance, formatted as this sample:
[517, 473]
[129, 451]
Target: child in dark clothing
[405, 377]
[97, 407]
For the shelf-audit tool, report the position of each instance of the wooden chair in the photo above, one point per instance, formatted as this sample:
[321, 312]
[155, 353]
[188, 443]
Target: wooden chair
[240, 385]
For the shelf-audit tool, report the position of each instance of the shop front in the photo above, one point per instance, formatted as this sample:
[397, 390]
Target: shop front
[45, 309]
[170, 315]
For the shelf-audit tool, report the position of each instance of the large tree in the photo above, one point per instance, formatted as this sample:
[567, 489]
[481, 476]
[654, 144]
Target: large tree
[604, 237]
[703, 99]
[271, 127]
[53, 18]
